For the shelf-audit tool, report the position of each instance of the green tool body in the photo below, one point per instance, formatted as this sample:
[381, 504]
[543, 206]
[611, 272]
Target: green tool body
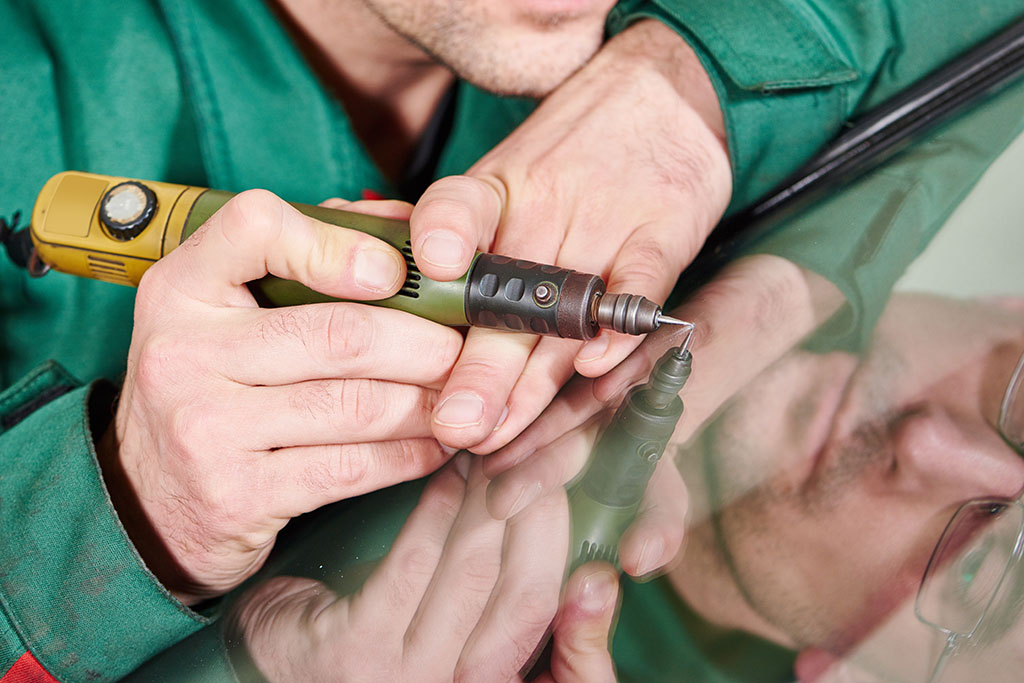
[605, 500]
[113, 229]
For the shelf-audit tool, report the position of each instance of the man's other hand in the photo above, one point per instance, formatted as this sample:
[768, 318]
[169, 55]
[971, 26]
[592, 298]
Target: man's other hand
[622, 171]
[460, 596]
[234, 419]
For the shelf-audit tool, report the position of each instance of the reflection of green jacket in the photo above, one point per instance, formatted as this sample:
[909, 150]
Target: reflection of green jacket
[215, 93]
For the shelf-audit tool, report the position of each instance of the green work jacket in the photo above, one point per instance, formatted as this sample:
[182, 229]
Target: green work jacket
[217, 94]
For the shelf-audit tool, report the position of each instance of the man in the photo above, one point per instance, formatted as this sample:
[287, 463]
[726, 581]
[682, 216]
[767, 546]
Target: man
[238, 95]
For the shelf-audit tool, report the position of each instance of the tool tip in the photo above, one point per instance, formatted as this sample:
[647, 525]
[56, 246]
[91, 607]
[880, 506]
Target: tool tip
[669, 320]
[690, 327]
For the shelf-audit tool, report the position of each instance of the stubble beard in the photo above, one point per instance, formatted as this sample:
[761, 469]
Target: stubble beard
[507, 62]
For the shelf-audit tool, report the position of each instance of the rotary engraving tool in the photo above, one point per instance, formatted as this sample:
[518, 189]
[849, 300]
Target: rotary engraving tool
[113, 229]
[605, 500]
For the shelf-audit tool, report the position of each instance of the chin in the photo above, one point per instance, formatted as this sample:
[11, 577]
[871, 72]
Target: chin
[528, 66]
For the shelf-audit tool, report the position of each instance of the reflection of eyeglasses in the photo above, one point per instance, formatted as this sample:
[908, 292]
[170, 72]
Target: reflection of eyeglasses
[967, 573]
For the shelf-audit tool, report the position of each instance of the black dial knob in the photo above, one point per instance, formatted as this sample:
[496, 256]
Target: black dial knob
[126, 209]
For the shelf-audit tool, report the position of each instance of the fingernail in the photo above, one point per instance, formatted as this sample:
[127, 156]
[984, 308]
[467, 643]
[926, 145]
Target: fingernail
[460, 410]
[501, 420]
[462, 464]
[334, 203]
[527, 495]
[596, 591]
[376, 269]
[442, 248]
[448, 450]
[593, 349]
[650, 556]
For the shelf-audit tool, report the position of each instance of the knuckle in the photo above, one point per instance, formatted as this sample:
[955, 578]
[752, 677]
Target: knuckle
[349, 466]
[409, 458]
[548, 169]
[150, 297]
[761, 296]
[288, 324]
[447, 352]
[776, 294]
[262, 607]
[479, 571]
[347, 333]
[534, 607]
[314, 398]
[413, 566]
[444, 496]
[193, 426]
[482, 370]
[253, 214]
[420, 561]
[449, 207]
[157, 364]
[362, 401]
[647, 259]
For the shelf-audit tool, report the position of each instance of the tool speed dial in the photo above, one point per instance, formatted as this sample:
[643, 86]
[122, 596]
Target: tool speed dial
[126, 209]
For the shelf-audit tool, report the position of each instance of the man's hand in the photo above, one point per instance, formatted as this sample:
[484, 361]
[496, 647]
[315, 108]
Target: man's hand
[459, 596]
[746, 318]
[234, 419]
[622, 172]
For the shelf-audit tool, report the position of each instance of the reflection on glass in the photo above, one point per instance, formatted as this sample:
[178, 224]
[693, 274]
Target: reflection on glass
[817, 493]
[977, 550]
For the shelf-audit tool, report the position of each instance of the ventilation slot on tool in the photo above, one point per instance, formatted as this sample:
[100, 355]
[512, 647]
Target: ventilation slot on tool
[596, 551]
[108, 269]
[412, 274]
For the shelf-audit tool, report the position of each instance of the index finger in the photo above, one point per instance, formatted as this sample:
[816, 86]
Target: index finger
[256, 234]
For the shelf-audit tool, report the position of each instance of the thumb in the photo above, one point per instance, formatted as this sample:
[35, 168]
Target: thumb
[582, 628]
[453, 218]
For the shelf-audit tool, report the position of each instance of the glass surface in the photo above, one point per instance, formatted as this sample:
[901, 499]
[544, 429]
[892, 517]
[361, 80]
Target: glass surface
[846, 479]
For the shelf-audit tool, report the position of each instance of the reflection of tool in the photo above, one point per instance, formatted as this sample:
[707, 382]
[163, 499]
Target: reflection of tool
[113, 229]
[605, 500]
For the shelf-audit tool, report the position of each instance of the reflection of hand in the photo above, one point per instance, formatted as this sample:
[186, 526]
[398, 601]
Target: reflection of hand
[747, 317]
[460, 595]
[622, 171]
[233, 418]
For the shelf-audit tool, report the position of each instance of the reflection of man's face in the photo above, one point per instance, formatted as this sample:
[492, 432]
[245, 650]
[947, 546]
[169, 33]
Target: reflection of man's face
[834, 476]
[523, 47]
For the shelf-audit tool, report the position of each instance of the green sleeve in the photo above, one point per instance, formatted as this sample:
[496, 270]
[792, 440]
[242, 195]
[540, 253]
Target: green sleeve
[863, 237]
[788, 73]
[73, 591]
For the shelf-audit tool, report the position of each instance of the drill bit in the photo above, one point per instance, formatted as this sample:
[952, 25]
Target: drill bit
[663, 319]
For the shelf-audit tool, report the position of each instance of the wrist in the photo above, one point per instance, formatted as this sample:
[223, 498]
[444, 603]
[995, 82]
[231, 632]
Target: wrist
[658, 68]
[124, 497]
[652, 47]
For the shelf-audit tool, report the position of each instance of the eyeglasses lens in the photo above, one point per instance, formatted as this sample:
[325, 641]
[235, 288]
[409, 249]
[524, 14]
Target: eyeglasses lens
[1011, 412]
[968, 565]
